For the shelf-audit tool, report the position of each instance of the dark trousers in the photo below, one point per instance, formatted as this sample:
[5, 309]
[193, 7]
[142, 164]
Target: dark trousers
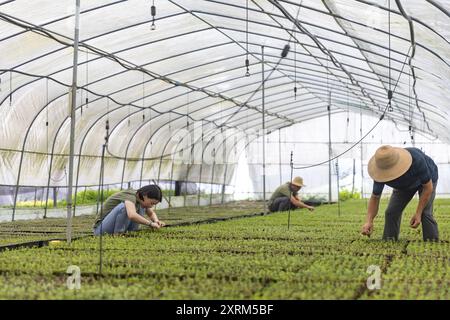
[393, 215]
[281, 204]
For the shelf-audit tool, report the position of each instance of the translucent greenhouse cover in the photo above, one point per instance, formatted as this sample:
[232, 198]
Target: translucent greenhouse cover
[174, 90]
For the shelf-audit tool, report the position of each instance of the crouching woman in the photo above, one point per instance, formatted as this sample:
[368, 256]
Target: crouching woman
[124, 211]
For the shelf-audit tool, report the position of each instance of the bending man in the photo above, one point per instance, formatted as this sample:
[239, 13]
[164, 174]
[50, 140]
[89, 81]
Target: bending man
[286, 196]
[407, 171]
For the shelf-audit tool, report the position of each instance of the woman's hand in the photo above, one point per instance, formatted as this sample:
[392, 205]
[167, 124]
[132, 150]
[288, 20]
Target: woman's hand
[161, 224]
[154, 225]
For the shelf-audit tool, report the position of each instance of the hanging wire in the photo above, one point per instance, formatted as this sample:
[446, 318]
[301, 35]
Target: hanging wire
[291, 165]
[143, 97]
[348, 116]
[187, 111]
[367, 133]
[46, 125]
[337, 182]
[295, 69]
[153, 13]
[390, 93]
[102, 186]
[188, 126]
[10, 88]
[87, 80]
[411, 133]
[284, 53]
[129, 114]
[247, 62]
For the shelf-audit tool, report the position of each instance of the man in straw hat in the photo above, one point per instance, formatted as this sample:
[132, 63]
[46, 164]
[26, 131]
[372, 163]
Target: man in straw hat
[286, 196]
[407, 171]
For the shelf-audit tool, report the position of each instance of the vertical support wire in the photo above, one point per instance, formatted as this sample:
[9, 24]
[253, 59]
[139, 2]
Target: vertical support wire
[337, 183]
[86, 101]
[263, 132]
[212, 177]
[189, 160]
[390, 93]
[225, 163]
[101, 185]
[291, 164]
[202, 142]
[329, 137]
[279, 156]
[47, 143]
[10, 88]
[247, 62]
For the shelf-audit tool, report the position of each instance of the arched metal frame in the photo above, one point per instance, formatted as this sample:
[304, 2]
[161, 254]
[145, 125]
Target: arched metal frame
[368, 91]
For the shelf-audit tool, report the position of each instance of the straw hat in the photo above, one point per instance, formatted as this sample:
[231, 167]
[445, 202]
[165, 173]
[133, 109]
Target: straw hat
[298, 181]
[389, 163]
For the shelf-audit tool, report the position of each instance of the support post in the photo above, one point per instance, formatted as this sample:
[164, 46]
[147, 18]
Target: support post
[72, 120]
[279, 156]
[263, 133]
[329, 153]
[337, 183]
[55, 197]
[361, 156]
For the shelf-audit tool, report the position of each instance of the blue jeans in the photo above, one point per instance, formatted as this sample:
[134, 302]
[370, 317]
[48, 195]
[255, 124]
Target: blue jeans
[117, 221]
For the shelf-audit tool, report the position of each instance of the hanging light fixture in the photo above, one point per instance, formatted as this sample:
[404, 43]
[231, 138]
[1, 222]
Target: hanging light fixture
[153, 12]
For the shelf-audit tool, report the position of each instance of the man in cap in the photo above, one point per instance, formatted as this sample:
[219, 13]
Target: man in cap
[286, 197]
[407, 171]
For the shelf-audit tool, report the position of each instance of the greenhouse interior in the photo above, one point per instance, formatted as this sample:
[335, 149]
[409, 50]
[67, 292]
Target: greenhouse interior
[225, 150]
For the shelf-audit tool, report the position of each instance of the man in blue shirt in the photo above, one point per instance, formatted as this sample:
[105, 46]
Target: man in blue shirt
[406, 170]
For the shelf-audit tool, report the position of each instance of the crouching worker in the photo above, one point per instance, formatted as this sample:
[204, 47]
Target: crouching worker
[124, 210]
[286, 197]
[407, 171]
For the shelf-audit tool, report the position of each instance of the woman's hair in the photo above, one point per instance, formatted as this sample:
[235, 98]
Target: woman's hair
[152, 191]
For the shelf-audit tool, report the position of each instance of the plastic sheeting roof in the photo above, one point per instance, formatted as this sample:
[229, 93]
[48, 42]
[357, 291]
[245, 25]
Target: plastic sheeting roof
[150, 84]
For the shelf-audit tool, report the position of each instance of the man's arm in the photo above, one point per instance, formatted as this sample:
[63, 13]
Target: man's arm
[135, 217]
[372, 211]
[423, 200]
[300, 204]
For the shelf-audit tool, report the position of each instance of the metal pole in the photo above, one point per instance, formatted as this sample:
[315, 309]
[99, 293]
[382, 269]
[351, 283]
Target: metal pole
[329, 153]
[290, 192]
[225, 162]
[279, 155]
[55, 197]
[171, 183]
[354, 174]
[263, 133]
[72, 120]
[361, 156]
[200, 172]
[337, 183]
[212, 177]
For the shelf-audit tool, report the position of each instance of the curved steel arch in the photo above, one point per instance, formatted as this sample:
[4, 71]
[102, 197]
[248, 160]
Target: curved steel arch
[130, 140]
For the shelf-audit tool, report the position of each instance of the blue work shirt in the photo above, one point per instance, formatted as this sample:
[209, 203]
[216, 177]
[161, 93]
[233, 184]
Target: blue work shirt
[422, 170]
